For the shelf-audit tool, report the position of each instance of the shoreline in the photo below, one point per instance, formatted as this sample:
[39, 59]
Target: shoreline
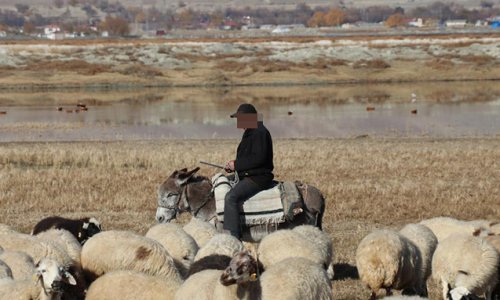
[122, 86]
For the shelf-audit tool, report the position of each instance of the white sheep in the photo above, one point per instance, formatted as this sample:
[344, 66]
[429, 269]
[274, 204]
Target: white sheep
[426, 242]
[5, 270]
[6, 229]
[20, 263]
[65, 239]
[131, 285]
[216, 253]
[465, 262]
[286, 243]
[47, 284]
[291, 278]
[494, 240]
[180, 245]
[124, 250]
[200, 230]
[322, 241]
[495, 228]
[205, 285]
[35, 248]
[220, 244]
[386, 259]
[443, 227]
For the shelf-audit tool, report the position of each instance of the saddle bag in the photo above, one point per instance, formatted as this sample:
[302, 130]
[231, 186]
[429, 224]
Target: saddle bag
[291, 200]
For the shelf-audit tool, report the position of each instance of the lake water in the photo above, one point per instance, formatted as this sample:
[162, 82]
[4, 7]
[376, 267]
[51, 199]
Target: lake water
[289, 112]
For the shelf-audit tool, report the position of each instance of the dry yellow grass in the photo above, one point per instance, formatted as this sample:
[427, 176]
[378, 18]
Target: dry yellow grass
[368, 183]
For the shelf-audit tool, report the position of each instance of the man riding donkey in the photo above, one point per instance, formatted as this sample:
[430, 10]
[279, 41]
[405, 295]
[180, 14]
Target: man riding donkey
[253, 165]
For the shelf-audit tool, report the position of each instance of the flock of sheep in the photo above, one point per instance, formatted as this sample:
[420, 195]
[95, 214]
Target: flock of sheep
[442, 258]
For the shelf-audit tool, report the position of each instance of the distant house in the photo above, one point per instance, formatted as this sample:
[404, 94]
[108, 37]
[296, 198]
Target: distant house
[230, 25]
[3, 34]
[53, 32]
[456, 23]
[416, 23]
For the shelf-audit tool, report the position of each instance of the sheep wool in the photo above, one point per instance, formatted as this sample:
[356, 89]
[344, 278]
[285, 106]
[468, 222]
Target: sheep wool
[323, 241]
[386, 259]
[220, 244]
[464, 261]
[36, 248]
[205, 285]
[443, 227]
[426, 242]
[286, 243]
[124, 250]
[296, 278]
[131, 285]
[5, 271]
[200, 230]
[180, 245]
[20, 263]
[64, 239]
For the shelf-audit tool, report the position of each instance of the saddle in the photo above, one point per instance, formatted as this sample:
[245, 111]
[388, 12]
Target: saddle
[275, 205]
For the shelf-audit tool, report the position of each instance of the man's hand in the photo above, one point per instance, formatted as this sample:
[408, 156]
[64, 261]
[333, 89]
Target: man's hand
[229, 166]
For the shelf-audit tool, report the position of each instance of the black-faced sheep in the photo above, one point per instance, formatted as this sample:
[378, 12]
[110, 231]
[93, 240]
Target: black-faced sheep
[50, 276]
[131, 285]
[387, 260]
[81, 229]
[463, 264]
[291, 278]
[180, 245]
[124, 250]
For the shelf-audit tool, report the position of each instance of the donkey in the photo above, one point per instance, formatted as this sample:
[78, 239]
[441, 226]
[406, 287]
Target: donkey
[184, 191]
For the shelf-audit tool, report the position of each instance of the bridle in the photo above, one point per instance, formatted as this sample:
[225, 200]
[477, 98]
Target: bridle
[183, 194]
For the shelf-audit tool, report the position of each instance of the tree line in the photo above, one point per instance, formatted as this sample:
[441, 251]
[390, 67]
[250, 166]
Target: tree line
[118, 17]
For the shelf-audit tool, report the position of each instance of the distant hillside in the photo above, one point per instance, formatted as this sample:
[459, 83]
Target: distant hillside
[221, 4]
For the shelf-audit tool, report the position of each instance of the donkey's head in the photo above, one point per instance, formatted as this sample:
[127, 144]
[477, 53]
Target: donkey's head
[170, 194]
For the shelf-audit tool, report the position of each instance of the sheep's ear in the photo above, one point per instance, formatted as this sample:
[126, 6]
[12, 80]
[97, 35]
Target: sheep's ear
[36, 276]
[69, 278]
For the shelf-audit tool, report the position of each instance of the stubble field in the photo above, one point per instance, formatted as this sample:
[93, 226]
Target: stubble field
[368, 183]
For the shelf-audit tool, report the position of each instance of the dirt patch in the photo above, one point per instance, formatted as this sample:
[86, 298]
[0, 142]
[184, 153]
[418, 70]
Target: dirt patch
[440, 64]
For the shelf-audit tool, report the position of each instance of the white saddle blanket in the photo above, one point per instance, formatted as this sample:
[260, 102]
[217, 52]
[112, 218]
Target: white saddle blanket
[263, 208]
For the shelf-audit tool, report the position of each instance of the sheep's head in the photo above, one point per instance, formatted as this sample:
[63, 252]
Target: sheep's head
[170, 193]
[90, 227]
[242, 268]
[52, 276]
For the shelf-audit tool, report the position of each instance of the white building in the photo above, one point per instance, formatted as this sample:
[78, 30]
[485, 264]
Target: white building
[456, 23]
[416, 23]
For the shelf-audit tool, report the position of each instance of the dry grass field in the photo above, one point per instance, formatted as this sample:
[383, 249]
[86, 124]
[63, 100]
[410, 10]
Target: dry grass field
[368, 183]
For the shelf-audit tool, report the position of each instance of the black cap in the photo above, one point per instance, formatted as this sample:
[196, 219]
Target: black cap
[245, 108]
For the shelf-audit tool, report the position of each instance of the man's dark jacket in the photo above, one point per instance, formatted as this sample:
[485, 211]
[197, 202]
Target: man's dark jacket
[254, 158]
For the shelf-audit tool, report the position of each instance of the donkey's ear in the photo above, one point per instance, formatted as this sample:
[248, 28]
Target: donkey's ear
[184, 177]
[184, 170]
